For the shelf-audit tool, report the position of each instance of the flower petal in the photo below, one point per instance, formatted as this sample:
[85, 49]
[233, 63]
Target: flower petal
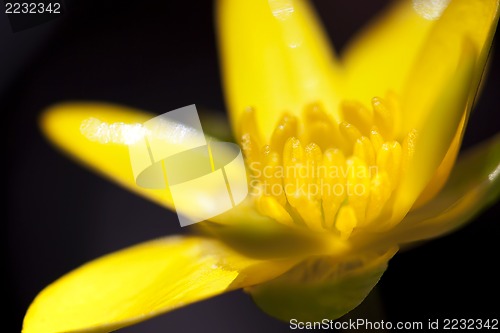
[261, 237]
[473, 185]
[378, 59]
[458, 43]
[321, 288]
[143, 281]
[275, 58]
[474, 21]
[426, 149]
[442, 173]
[62, 125]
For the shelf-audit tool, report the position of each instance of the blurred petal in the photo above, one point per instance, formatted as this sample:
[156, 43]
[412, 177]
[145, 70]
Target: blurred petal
[379, 58]
[474, 21]
[443, 171]
[143, 281]
[62, 125]
[259, 236]
[473, 185]
[321, 287]
[425, 150]
[275, 58]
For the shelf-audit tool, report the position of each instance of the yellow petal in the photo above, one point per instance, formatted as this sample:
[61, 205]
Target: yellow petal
[62, 124]
[443, 171]
[473, 185]
[441, 89]
[267, 239]
[378, 59]
[143, 281]
[474, 21]
[425, 152]
[275, 58]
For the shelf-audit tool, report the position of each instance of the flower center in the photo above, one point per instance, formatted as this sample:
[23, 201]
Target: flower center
[327, 175]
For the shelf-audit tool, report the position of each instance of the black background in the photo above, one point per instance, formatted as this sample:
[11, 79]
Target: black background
[158, 56]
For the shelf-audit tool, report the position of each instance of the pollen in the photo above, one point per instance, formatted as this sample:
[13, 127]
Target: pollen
[327, 175]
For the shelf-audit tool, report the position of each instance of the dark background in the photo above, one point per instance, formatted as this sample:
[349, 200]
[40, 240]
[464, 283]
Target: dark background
[158, 56]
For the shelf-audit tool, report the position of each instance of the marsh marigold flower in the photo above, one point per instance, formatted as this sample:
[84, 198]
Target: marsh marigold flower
[347, 159]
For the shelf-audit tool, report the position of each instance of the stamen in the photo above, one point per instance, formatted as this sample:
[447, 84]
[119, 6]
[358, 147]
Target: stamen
[389, 160]
[310, 211]
[346, 221]
[333, 185]
[313, 162]
[320, 129]
[363, 148]
[250, 148]
[379, 194]
[349, 132]
[328, 176]
[271, 177]
[293, 162]
[356, 114]
[408, 149]
[376, 139]
[269, 206]
[250, 139]
[383, 118]
[287, 128]
[358, 185]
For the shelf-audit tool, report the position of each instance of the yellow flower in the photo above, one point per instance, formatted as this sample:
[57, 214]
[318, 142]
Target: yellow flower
[348, 159]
